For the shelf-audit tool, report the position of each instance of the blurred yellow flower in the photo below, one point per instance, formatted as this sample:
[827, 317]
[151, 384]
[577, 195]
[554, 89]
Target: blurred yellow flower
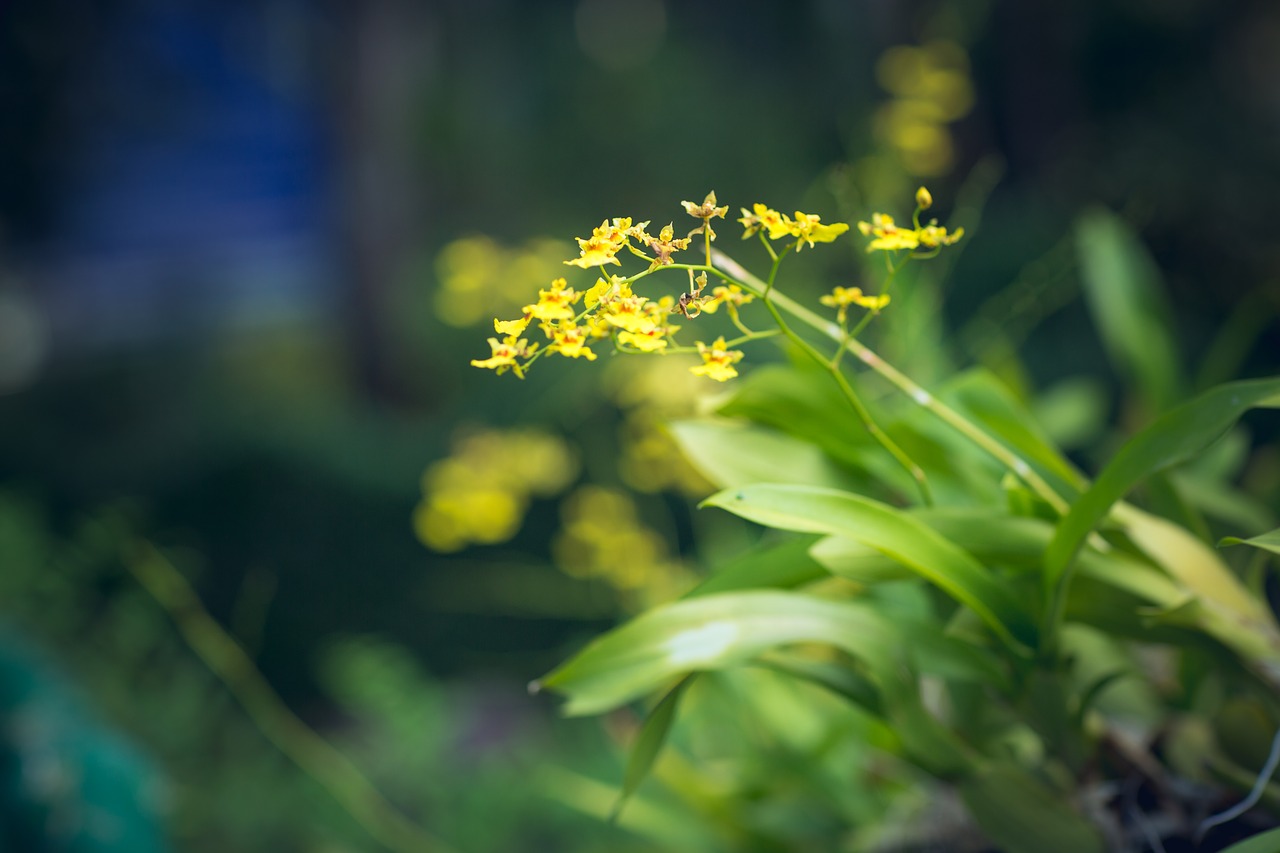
[511, 327]
[933, 235]
[646, 340]
[717, 361]
[842, 297]
[888, 236]
[480, 492]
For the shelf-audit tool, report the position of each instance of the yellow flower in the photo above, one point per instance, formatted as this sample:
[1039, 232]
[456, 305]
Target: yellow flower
[707, 209]
[732, 295]
[888, 237]
[554, 304]
[570, 340]
[842, 297]
[511, 327]
[933, 235]
[809, 228]
[599, 249]
[664, 244]
[717, 362]
[765, 218]
[627, 310]
[778, 225]
[706, 212]
[505, 353]
[648, 339]
[597, 292]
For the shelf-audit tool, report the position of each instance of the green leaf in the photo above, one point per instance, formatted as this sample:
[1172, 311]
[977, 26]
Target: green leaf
[1173, 438]
[649, 742]
[1021, 814]
[894, 533]
[1125, 295]
[1073, 412]
[838, 679]
[1017, 543]
[735, 453]
[783, 566]
[803, 403]
[1267, 541]
[1223, 501]
[978, 394]
[1265, 842]
[721, 631]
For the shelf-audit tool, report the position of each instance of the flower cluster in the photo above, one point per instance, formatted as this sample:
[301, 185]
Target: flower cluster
[807, 228]
[841, 298]
[930, 88]
[603, 538]
[479, 493]
[612, 311]
[890, 237]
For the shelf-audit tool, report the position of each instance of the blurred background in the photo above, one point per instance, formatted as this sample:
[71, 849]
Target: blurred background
[247, 250]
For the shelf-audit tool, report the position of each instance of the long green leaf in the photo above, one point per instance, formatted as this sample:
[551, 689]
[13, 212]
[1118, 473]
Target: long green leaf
[735, 453]
[1125, 295]
[649, 742]
[894, 533]
[720, 631]
[783, 566]
[1015, 542]
[1267, 541]
[1172, 439]
[1023, 815]
[985, 399]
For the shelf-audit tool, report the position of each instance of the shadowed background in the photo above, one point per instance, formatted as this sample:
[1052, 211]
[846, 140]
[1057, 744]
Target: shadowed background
[248, 249]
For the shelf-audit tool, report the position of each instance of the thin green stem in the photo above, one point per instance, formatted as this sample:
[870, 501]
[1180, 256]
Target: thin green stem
[921, 397]
[318, 758]
[884, 289]
[751, 336]
[859, 408]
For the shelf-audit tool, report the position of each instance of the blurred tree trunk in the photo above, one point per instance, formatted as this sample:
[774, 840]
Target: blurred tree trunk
[375, 52]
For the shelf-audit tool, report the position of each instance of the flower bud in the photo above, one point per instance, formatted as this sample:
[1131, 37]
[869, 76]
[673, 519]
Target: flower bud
[923, 200]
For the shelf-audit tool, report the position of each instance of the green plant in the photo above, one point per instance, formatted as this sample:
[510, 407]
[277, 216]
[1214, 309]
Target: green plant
[943, 604]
